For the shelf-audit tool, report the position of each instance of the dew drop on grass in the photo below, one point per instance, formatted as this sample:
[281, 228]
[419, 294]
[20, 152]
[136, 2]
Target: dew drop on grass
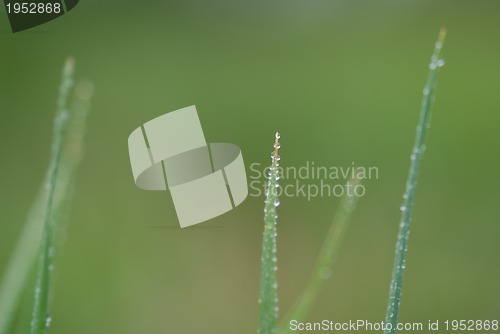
[402, 208]
[48, 321]
[276, 202]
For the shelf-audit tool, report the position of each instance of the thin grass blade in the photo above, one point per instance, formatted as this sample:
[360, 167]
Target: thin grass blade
[268, 299]
[396, 287]
[323, 268]
[41, 318]
[24, 255]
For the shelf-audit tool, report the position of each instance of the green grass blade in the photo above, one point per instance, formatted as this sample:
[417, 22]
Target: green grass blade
[41, 317]
[24, 255]
[323, 267]
[268, 299]
[406, 209]
[20, 264]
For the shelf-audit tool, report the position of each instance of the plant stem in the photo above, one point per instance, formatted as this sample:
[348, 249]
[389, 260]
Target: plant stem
[27, 247]
[268, 299]
[409, 195]
[20, 264]
[327, 255]
[41, 317]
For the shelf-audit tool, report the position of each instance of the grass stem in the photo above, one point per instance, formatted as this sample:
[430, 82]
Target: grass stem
[393, 308]
[268, 299]
[323, 268]
[41, 318]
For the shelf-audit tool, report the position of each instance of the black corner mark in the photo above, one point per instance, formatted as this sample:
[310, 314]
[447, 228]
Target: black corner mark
[26, 14]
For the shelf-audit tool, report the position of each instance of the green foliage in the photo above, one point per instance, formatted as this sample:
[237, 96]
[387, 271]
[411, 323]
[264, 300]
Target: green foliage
[411, 183]
[41, 318]
[323, 268]
[268, 300]
[25, 253]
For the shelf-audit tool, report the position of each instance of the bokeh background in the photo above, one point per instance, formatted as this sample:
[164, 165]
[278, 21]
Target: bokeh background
[342, 82]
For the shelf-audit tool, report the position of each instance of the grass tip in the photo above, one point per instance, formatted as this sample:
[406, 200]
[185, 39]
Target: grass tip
[276, 147]
[69, 65]
[442, 34]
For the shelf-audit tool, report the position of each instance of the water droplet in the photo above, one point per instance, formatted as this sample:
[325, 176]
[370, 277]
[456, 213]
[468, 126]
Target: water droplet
[432, 66]
[277, 146]
[48, 321]
[276, 202]
[278, 135]
[426, 91]
[413, 157]
[402, 208]
[440, 63]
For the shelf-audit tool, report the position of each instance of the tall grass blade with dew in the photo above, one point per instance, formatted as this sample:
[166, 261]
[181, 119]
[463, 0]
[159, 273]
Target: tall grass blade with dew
[268, 298]
[41, 319]
[411, 183]
[25, 253]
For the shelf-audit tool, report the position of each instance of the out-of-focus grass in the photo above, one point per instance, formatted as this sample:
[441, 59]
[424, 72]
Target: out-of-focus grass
[323, 268]
[41, 318]
[67, 151]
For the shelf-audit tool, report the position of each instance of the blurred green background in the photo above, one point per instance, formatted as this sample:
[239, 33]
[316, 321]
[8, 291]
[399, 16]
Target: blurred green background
[342, 82]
